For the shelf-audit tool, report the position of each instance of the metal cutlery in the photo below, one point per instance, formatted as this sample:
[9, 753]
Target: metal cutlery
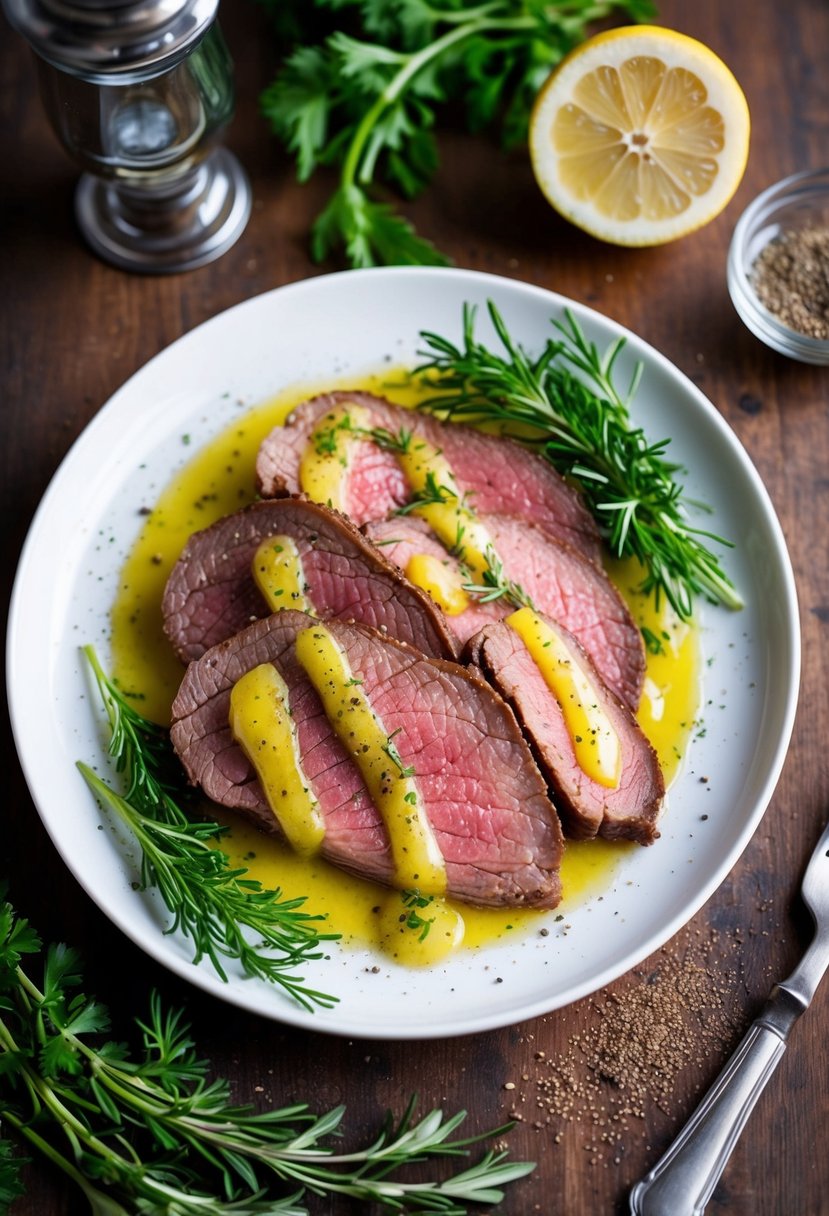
[683, 1180]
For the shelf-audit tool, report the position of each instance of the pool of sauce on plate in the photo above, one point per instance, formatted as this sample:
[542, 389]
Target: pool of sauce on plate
[220, 479]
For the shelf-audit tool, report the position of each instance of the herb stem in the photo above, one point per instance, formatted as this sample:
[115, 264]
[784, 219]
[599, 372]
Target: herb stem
[151, 1134]
[582, 426]
[69, 1122]
[212, 903]
[97, 1202]
[411, 65]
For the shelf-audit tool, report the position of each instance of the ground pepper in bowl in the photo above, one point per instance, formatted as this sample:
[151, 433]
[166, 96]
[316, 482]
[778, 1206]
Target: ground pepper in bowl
[791, 278]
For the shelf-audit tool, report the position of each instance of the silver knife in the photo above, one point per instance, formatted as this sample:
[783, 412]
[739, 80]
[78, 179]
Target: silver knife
[683, 1180]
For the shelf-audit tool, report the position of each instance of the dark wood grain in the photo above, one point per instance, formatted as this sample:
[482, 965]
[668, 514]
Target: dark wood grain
[73, 330]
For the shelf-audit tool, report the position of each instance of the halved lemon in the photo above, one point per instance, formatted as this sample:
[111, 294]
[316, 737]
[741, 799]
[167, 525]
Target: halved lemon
[640, 135]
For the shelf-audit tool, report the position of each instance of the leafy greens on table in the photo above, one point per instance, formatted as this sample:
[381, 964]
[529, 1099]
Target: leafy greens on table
[151, 1133]
[367, 99]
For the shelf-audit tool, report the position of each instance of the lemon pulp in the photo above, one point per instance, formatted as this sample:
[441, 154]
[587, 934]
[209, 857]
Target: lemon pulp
[640, 135]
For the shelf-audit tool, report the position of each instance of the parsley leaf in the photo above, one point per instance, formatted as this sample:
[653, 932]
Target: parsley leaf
[367, 98]
[10, 1185]
[372, 233]
[16, 937]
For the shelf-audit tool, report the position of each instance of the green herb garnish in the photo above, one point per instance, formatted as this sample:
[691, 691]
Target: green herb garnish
[213, 904]
[654, 643]
[432, 494]
[367, 99]
[495, 585]
[152, 1134]
[390, 441]
[582, 425]
[390, 748]
[326, 439]
[414, 903]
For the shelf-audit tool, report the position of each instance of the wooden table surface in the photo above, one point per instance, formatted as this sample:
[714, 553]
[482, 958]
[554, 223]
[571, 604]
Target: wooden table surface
[74, 329]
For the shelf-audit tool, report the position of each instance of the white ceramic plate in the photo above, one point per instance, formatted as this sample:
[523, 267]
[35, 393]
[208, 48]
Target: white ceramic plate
[337, 325]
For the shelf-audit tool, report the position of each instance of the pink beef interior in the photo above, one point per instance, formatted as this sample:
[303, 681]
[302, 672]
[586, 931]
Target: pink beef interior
[500, 474]
[481, 789]
[628, 811]
[560, 582]
[211, 593]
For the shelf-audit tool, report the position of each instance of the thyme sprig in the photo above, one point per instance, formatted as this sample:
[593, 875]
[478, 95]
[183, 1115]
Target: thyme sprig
[224, 913]
[495, 585]
[581, 424]
[150, 1133]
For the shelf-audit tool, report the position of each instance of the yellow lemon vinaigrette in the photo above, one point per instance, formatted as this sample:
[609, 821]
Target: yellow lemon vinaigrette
[218, 480]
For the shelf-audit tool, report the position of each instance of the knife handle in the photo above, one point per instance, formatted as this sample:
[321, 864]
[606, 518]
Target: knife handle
[683, 1180]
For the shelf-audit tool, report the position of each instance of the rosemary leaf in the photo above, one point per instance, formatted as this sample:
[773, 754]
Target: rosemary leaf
[565, 403]
[226, 914]
[149, 1132]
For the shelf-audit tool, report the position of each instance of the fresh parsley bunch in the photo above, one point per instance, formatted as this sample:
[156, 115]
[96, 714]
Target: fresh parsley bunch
[148, 1132]
[367, 99]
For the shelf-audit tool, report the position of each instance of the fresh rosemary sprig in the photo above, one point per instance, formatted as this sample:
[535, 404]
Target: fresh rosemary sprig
[153, 1135]
[326, 439]
[368, 97]
[582, 425]
[390, 441]
[224, 913]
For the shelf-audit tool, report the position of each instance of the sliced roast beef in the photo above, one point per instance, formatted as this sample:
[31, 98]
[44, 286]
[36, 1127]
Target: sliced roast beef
[498, 473]
[211, 593]
[559, 581]
[588, 808]
[484, 797]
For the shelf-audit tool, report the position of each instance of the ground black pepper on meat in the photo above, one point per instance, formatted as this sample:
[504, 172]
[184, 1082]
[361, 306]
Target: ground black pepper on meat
[791, 278]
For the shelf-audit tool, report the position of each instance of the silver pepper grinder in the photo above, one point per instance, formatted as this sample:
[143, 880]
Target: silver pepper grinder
[138, 91]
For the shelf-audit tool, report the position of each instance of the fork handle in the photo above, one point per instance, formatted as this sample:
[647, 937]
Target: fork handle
[683, 1180]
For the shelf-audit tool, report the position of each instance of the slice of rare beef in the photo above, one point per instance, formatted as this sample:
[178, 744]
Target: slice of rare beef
[559, 581]
[498, 474]
[211, 593]
[482, 792]
[627, 811]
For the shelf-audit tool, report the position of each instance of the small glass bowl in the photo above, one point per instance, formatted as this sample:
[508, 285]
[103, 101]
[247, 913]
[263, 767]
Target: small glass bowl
[800, 201]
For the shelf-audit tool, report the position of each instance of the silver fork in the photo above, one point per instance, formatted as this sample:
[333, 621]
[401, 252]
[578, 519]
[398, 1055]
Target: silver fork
[683, 1180]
